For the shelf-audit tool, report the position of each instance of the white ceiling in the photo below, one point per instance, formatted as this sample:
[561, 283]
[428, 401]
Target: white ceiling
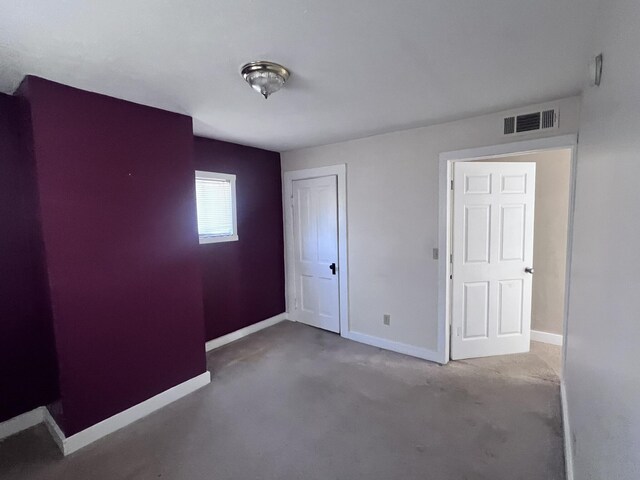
[359, 67]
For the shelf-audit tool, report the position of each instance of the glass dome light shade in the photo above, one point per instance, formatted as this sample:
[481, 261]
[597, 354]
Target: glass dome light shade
[265, 82]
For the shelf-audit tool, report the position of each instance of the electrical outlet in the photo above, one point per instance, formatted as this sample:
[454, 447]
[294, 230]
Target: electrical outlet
[386, 319]
[436, 254]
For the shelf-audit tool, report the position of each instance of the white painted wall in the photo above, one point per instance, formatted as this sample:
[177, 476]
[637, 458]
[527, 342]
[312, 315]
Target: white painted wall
[392, 195]
[602, 369]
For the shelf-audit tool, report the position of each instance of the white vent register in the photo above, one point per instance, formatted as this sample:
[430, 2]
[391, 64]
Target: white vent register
[531, 122]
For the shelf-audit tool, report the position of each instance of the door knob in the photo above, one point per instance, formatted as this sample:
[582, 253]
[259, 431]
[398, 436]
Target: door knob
[529, 270]
[332, 267]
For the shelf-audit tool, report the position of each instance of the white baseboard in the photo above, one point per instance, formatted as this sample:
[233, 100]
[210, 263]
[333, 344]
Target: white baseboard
[394, 346]
[243, 332]
[89, 435]
[21, 422]
[546, 337]
[54, 429]
[568, 450]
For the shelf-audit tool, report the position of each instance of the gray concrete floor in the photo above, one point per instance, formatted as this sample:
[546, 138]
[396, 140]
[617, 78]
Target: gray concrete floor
[293, 402]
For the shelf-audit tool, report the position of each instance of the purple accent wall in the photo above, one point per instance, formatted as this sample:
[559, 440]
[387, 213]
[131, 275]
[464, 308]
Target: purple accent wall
[243, 281]
[27, 362]
[116, 188]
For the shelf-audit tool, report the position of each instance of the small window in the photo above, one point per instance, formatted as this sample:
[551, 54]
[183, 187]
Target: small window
[216, 204]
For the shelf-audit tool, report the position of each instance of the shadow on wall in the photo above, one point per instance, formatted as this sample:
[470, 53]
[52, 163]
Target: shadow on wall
[28, 376]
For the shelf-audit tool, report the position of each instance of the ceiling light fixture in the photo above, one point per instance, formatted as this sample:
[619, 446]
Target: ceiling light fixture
[265, 77]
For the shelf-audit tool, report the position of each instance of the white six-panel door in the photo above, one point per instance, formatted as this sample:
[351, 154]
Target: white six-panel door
[492, 241]
[315, 232]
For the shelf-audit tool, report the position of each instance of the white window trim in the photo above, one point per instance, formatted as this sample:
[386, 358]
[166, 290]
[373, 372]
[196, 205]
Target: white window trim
[204, 239]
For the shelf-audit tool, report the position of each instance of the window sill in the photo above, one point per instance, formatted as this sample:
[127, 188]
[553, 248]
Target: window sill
[229, 238]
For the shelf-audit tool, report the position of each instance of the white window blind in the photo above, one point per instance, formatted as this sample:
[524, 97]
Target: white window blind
[215, 199]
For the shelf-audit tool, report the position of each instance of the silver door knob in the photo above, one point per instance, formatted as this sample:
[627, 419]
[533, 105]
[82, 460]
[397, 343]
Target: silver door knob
[529, 270]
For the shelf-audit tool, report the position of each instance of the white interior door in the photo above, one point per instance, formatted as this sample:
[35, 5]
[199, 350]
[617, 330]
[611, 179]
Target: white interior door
[493, 213]
[315, 232]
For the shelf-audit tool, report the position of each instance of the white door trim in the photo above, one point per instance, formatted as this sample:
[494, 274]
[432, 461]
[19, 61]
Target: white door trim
[444, 221]
[340, 171]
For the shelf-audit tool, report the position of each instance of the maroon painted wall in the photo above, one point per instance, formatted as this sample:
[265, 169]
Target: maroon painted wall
[27, 362]
[243, 281]
[116, 189]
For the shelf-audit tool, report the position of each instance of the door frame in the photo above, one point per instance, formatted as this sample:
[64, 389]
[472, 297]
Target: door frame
[340, 171]
[445, 217]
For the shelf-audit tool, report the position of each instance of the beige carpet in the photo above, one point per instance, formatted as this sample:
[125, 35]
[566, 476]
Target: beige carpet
[293, 402]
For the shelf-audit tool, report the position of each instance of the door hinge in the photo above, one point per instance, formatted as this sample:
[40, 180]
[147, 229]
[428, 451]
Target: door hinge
[451, 258]
[295, 303]
[451, 184]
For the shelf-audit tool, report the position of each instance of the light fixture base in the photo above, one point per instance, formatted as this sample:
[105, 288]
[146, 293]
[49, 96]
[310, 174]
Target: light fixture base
[265, 77]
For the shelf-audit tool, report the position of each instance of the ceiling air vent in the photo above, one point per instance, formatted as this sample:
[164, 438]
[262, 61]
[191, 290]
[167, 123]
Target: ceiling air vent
[531, 122]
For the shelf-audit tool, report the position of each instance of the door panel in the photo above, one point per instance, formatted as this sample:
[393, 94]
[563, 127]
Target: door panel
[476, 309]
[512, 227]
[315, 231]
[492, 244]
[509, 307]
[476, 226]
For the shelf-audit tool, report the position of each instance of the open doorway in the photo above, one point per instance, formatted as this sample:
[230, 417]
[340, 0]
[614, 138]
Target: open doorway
[491, 257]
[535, 319]
[551, 220]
